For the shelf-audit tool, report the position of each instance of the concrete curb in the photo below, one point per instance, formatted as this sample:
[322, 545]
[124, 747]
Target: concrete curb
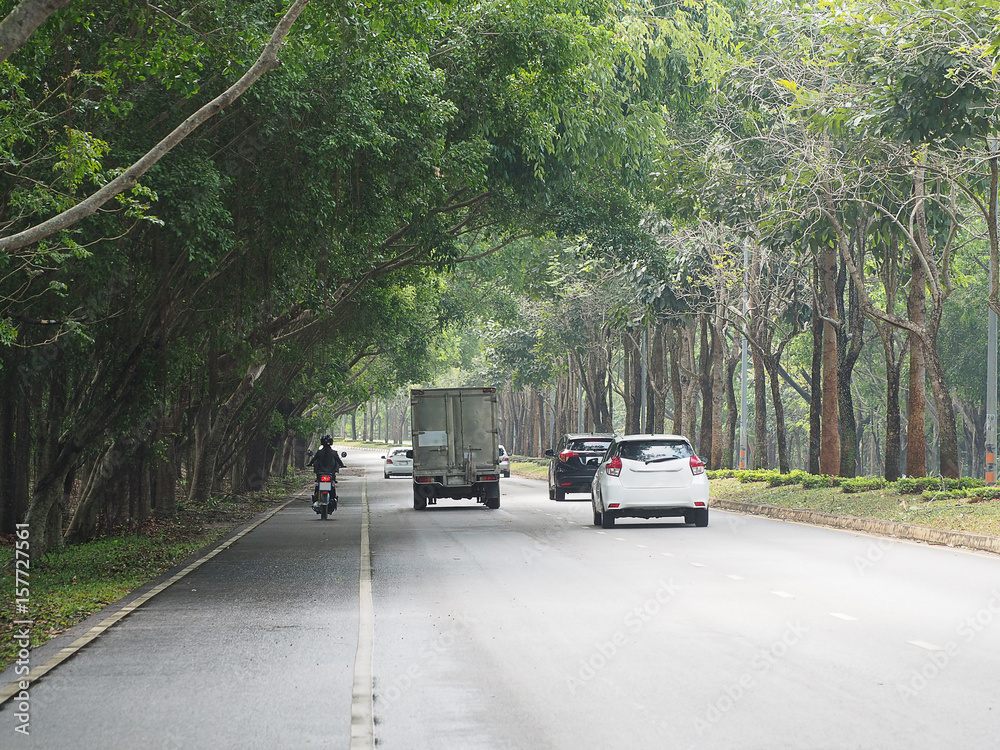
[896, 529]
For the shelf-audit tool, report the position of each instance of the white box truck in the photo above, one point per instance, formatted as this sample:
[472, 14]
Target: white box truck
[455, 445]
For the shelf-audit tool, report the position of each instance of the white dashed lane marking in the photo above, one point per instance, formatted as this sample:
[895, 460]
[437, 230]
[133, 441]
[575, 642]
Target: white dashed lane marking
[926, 645]
[842, 616]
[783, 594]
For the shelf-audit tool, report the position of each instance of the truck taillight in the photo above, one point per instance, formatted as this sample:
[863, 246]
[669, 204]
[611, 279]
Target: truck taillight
[614, 467]
[567, 455]
[697, 466]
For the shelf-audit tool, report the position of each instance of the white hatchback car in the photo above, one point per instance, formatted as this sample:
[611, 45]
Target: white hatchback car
[650, 476]
[398, 463]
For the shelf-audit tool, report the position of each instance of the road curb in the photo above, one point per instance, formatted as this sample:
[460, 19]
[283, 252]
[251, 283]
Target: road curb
[981, 542]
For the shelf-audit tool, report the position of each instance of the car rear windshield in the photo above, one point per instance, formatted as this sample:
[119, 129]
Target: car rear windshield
[648, 450]
[591, 446]
[398, 452]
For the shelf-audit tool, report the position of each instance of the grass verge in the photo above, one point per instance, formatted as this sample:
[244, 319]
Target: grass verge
[954, 514]
[530, 469]
[70, 584]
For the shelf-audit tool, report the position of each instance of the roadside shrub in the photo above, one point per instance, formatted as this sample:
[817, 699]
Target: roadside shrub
[930, 495]
[756, 475]
[974, 494]
[862, 484]
[814, 481]
[917, 485]
[721, 473]
[792, 477]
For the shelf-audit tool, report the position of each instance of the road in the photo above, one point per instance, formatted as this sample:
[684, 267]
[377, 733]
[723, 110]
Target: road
[527, 627]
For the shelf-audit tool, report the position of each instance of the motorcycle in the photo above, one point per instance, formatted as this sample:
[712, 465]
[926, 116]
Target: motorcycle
[325, 493]
[325, 496]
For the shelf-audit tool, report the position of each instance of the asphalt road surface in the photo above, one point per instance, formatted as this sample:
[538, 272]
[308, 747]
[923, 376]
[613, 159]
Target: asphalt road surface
[527, 627]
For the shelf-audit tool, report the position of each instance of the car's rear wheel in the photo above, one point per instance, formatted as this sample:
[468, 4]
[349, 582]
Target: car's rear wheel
[384, 475]
[597, 517]
[560, 495]
[701, 517]
[607, 520]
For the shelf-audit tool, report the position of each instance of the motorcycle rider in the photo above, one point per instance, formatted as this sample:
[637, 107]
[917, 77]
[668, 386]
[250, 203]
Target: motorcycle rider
[326, 461]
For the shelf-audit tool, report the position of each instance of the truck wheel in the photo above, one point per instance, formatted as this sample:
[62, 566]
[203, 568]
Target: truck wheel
[493, 503]
[419, 501]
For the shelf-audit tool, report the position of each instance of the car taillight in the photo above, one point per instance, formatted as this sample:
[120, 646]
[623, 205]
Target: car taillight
[388, 460]
[325, 478]
[614, 467]
[567, 455]
[697, 466]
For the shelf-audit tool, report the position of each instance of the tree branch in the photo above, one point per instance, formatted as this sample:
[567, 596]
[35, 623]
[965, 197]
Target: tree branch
[268, 59]
[21, 23]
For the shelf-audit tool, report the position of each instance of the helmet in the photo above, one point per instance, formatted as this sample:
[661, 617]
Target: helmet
[326, 440]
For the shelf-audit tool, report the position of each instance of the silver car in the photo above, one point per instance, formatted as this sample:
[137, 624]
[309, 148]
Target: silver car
[503, 465]
[398, 463]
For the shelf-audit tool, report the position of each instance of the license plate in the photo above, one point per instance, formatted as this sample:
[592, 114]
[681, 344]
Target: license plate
[325, 486]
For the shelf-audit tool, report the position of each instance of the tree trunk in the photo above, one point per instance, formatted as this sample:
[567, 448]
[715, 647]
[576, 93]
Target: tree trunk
[816, 390]
[15, 449]
[916, 405]
[829, 458]
[760, 409]
[729, 449]
[718, 396]
[633, 382]
[705, 382]
[780, 433]
[849, 347]
[949, 463]
[674, 350]
[204, 471]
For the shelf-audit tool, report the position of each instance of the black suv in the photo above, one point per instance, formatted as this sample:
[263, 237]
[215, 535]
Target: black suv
[574, 463]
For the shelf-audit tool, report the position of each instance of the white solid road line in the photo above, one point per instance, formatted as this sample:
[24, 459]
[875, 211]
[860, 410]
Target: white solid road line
[362, 713]
[926, 645]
